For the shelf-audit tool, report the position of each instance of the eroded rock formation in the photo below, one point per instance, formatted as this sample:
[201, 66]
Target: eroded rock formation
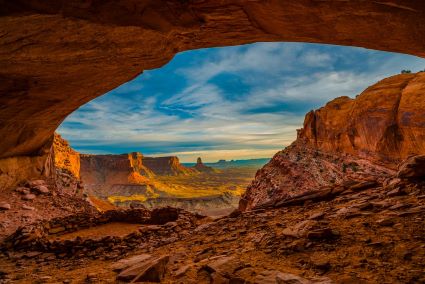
[202, 168]
[385, 123]
[57, 55]
[348, 139]
[66, 158]
[168, 166]
[114, 169]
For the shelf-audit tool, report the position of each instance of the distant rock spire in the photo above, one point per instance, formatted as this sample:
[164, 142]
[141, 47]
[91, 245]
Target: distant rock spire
[199, 161]
[202, 168]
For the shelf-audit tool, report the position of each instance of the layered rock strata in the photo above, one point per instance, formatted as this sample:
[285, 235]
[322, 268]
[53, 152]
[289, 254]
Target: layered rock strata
[348, 139]
[167, 166]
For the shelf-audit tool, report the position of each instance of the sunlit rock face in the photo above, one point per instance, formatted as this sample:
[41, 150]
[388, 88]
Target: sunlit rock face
[385, 123]
[167, 166]
[66, 158]
[105, 171]
[57, 55]
[348, 139]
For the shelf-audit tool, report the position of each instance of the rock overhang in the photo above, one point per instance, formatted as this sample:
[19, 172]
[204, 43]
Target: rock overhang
[58, 55]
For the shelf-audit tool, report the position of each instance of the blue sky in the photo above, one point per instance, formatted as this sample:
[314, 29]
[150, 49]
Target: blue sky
[230, 102]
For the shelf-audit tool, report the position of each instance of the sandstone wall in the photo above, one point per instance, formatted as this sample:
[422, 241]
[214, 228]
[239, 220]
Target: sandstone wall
[108, 170]
[16, 170]
[66, 158]
[348, 139]
[385, 123]
[169, 166]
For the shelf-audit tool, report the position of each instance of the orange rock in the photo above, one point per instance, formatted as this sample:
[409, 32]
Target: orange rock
[348, 139]
[66, 158]
[385, 123]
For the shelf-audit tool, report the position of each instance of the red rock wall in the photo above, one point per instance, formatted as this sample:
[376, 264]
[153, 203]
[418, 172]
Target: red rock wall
[384, 123]
[66, 158]
[169, 166]
[362, 138]
[110, 170]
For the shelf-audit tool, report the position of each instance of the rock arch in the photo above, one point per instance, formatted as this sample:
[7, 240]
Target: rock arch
[57, 55]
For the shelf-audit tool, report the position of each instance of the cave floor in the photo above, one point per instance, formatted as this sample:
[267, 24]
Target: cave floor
[372, 236]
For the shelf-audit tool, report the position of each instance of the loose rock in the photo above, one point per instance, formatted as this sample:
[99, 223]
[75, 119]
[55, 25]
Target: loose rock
[4, 206]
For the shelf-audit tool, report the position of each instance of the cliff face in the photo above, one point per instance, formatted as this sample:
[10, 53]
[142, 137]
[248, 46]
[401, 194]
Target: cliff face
[126, 174]
[114, 169]
[348, 139]
[168, 166]
[385, 123]
[66, 158]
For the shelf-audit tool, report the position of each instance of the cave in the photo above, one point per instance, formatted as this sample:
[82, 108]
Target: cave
[57, 56]
[290, 227]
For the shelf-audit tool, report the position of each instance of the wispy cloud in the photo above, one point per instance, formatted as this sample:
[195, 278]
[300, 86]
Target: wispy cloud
[234, 102]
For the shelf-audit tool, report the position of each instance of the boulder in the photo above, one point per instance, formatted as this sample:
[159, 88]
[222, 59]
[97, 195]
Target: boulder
[299, 230]
[150, 270]
[40, 189]
[161, 216]
[22, 190]
[322, 234]
[223, 265]
[277, 277]
[412, 168]
[34, 183]
[28, 197]
[127, 262]
[26, 207]
[4, 206]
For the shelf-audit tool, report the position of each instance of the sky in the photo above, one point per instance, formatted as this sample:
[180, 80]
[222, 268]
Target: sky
[236, 102]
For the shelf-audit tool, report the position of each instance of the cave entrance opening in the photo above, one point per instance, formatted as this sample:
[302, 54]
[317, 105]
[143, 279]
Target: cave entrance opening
[195, 131]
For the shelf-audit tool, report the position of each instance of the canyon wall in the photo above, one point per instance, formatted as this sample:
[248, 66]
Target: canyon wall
[167, 166]
[66, 158]
[348, 139]
[105, 175]
[108, 170]
[385, 123]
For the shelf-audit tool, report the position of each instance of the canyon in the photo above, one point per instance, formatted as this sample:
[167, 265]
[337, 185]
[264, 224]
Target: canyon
[134, 180]
[41, 53]
[343, 203]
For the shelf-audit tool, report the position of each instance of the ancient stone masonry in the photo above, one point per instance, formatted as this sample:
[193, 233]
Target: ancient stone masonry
[159, 222]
